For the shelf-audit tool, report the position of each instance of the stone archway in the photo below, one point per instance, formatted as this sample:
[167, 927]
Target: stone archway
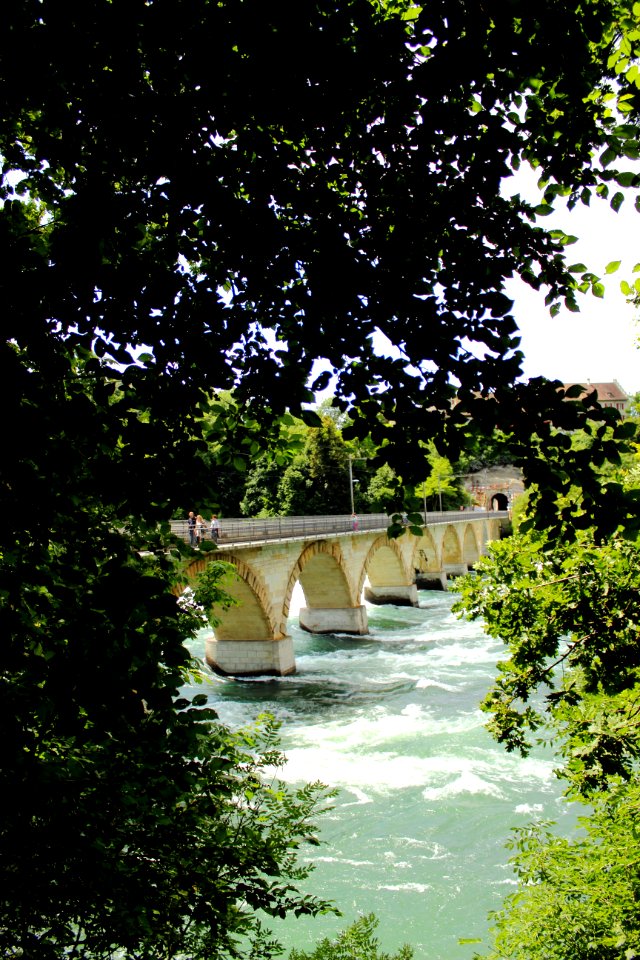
[427, 564]
[425, 556]
[248, 640]
[253, 617]
[470, 549]
[451, 549]
[331, 604]
[499, 501]
[389, 578]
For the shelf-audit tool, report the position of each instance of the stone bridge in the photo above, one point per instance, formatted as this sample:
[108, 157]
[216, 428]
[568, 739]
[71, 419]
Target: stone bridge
[336, 567]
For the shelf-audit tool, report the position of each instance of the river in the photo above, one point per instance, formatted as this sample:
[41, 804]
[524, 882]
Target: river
[426, 798]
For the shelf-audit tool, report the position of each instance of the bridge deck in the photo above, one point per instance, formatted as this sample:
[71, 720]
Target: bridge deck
[259, 530]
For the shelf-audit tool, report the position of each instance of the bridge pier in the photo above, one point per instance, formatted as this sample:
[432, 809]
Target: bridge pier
[400, 595]
[456, 569]
[431, 580]
[251, 658]
[334, 619]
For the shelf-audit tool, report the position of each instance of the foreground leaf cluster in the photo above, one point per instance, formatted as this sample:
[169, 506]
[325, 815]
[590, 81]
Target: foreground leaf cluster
[357, 942]
[568, 614]
[134, 823]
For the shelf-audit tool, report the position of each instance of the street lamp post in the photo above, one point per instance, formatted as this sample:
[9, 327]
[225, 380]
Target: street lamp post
[351, 484]
[352, 481]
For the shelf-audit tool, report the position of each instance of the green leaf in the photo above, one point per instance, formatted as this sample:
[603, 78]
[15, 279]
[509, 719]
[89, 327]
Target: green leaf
[626, 178]
[616, 201]
[543, 210]
[310, 418]
[612, 266]
[608, 156]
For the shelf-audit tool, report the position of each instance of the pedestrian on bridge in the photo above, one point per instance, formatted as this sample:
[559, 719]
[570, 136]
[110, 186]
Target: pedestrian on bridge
[199, 529]
[215, 528]
[191, 524]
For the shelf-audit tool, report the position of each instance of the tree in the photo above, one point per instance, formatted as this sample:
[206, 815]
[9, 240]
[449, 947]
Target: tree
[357, 942]
[567, 613]
[381, 494]
[306, 197]
[133, 821]
[317, 482]
[441, 489]
[261, 497]
[227, 193]
[577, 897]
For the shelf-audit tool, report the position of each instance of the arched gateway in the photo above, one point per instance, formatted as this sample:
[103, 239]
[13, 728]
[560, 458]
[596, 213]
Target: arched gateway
[334, 570]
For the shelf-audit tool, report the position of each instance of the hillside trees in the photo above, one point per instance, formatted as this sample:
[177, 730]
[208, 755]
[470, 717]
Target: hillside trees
[317, 481]
[442, 489]
[232, 192]
[381, 493]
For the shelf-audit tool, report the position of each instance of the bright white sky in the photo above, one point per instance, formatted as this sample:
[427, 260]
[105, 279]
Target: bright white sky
[602, 342]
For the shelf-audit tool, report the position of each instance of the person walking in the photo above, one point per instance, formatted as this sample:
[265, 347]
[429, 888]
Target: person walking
[191, 524]
[199, 529]
[215, 528]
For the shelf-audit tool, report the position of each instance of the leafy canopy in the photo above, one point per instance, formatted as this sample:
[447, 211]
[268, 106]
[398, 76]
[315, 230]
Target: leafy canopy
[232, 193]
[568, 616]
[327, 179]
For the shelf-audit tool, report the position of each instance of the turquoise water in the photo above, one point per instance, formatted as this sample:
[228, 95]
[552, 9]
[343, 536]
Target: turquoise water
[426, 798]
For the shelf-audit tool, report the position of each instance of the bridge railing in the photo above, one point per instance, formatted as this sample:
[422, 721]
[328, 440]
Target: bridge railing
[257, 530]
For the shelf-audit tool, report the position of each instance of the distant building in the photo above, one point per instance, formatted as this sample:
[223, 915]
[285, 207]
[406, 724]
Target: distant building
[609, 394]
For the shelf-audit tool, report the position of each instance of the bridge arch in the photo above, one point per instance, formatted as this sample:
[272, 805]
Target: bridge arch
[384, 565]
[425, 555]
[451, 547]
[322, 574]
[470, 548]
[391, 578]
[331, 603]
[253, 618]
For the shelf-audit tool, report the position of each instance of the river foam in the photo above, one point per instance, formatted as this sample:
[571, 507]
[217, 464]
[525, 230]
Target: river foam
[426, 799]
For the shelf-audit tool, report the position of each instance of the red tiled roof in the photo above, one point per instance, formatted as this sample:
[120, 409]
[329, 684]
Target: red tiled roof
[607, 392]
